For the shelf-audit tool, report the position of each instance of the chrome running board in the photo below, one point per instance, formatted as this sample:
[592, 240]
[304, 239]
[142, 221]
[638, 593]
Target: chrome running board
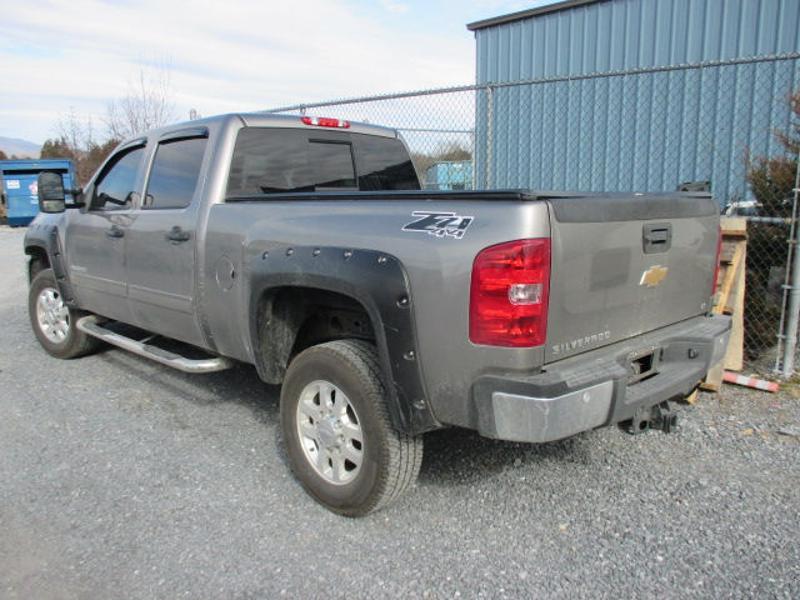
[91, 326]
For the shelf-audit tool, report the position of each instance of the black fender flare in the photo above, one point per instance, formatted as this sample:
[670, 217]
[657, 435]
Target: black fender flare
[376, 280]
[45, 237]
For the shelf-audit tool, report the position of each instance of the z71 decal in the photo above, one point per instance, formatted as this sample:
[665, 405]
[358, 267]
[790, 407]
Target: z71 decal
[439, 224]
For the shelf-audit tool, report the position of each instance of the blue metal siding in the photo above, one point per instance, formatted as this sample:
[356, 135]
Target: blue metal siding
[641, 131]
[618, 35]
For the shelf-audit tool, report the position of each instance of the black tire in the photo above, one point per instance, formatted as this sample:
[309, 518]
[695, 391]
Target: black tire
[75, 343]
[391, 459]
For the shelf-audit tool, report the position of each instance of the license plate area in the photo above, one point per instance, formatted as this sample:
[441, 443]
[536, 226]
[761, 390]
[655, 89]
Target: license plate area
[643, 364]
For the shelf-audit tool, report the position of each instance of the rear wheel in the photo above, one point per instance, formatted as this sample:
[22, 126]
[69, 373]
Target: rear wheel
[54, 322]
[339, 438]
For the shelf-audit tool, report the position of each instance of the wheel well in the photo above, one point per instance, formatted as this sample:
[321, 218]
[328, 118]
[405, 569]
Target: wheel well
[39, 261]
[291, 319]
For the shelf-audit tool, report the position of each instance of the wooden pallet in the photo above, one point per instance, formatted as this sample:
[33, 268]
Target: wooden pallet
[729, 299]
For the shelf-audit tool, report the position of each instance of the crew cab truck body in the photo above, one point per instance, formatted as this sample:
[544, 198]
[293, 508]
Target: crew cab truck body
[304, 246]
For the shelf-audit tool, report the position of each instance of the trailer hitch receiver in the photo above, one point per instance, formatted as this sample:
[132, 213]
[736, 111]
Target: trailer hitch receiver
[660, 417]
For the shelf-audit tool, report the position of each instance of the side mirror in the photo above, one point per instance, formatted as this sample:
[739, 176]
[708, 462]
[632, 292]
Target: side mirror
[52, 198]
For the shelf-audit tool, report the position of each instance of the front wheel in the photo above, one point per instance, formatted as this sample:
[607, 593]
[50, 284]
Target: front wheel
[53, 322]
[339, 438]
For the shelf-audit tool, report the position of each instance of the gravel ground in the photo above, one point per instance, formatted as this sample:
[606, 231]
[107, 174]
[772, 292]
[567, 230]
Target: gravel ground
[121, 478]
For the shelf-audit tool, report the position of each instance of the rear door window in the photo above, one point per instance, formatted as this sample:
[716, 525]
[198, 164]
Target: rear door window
[175, 172]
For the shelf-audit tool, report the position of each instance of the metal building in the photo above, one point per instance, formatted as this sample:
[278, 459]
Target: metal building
[631, 95]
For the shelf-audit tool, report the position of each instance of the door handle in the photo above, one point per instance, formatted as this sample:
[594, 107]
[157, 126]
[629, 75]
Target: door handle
[176, 235]
[115, 232]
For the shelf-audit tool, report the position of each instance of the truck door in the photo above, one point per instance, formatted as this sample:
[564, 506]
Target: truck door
[160, 242]
[95, 237]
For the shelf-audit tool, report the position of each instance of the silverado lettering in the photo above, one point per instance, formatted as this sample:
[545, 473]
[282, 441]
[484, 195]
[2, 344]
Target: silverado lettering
[588, 340]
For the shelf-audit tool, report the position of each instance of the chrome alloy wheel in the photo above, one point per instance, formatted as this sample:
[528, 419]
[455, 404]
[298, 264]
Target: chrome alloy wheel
[330, 432]
[52, 315]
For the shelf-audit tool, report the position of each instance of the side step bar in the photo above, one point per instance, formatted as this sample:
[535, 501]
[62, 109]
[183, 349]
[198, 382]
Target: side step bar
[91, 326]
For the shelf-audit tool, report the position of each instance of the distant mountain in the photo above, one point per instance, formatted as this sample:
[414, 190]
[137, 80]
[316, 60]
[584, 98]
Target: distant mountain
[22, 148]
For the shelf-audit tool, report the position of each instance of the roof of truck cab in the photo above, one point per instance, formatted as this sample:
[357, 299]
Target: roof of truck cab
[273, 120]
[269, 120]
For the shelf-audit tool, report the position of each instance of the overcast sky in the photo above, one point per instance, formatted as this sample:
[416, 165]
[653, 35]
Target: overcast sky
[227, 56]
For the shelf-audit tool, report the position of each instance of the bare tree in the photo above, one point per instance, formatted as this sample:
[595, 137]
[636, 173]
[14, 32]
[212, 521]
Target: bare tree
[75, 141]
[77, 133]
[147, 104]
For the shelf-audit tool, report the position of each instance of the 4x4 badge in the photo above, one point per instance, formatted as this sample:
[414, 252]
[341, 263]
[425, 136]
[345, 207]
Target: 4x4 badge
[439, 224]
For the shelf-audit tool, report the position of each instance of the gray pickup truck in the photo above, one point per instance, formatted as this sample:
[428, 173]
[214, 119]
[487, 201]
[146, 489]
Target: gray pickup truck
[304, 246]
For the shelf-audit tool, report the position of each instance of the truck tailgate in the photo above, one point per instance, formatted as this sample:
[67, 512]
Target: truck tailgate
[623, 265]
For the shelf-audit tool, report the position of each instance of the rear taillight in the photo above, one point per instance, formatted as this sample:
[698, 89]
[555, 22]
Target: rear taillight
[509, 294]
[716, 262]
[325, 122]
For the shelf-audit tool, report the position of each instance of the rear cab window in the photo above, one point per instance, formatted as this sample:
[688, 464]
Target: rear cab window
[273, 160]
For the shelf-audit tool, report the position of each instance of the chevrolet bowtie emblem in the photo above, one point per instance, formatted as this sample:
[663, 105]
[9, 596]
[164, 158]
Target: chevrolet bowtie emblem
[653, 276]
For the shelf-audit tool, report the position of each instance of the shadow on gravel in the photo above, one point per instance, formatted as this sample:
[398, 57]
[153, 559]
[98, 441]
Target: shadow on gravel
[239, 385]
[460, 457]
[452, 456]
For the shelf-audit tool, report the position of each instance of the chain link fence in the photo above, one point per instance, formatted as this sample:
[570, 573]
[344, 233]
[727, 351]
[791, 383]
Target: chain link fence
[766, 276]
[726, 126]
[437, 125]
[771, 229]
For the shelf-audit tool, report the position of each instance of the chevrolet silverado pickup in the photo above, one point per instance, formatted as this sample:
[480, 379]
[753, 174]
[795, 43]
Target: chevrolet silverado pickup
[304, 246]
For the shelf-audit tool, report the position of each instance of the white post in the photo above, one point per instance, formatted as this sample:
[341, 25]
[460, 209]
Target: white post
[794, 289]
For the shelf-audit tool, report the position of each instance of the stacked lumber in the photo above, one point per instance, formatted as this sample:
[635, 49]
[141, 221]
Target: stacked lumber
[730, 297]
